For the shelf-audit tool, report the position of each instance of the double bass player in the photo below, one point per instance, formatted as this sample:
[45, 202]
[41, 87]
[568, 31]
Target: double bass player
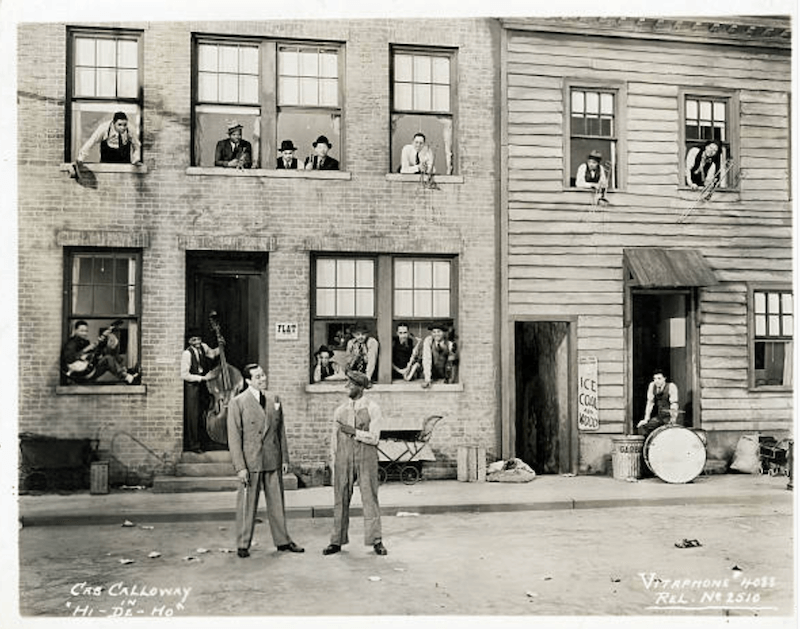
[197, 368]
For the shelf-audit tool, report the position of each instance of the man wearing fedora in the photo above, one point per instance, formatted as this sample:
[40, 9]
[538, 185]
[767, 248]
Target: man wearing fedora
[233, 152]
[354, 456]
[591, 175]
[362, 351]
[438, 356]
[321, 160]
[287, 160]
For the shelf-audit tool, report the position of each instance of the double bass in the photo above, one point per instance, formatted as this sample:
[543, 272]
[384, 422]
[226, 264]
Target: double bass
[222, 389]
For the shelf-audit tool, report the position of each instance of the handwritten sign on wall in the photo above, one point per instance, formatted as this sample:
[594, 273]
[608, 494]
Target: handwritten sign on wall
[588, 417]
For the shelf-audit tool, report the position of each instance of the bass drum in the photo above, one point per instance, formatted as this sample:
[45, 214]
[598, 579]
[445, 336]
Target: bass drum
[675, 454]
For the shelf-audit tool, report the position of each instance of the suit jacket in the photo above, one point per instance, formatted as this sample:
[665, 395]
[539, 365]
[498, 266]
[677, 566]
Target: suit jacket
[330, 163]
[256, 436]
[224, 153]
[281, 165]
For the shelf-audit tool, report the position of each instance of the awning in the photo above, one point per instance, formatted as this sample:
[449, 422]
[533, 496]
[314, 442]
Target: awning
[657, 267]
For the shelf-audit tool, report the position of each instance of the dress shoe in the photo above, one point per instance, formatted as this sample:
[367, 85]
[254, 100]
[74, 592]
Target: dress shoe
[333, 548]
[291, 547]
[380, 549]
[243, 552]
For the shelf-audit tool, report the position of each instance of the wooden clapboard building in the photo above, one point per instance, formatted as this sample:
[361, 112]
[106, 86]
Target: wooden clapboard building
[654, 273]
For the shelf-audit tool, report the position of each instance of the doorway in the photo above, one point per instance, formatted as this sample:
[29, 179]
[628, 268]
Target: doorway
[234, 285]
[542, 418]
[663, 338]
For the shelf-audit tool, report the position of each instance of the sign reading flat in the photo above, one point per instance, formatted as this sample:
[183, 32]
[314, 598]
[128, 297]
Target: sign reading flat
[286, 331]
[588, 417]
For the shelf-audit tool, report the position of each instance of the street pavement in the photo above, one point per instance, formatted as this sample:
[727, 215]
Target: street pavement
[589, 563]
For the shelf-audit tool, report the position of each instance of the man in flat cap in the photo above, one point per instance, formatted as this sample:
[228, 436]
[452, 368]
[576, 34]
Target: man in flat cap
[354, 455]
[234, 152]
[438, 355]
[362, 351]
[321, 160]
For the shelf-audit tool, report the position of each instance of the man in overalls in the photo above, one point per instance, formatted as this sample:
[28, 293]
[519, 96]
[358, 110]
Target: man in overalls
[662, 404]
[356, 430]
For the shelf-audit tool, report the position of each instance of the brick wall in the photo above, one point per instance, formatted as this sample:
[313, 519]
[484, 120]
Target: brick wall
[142, 433]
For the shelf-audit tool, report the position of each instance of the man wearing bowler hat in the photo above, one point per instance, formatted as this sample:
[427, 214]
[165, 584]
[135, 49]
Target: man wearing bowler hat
[321, 160]
[233, 152]
[354, 455]
[287, 160]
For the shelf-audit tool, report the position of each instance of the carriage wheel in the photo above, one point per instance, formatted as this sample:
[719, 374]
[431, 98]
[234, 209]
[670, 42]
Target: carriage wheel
[381, 474]
[409, 474]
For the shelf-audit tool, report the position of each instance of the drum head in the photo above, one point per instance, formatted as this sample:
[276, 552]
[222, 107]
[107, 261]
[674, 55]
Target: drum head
[675, 454]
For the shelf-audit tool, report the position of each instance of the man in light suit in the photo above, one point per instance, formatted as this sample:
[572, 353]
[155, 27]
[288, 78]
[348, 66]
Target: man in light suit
[257, 442]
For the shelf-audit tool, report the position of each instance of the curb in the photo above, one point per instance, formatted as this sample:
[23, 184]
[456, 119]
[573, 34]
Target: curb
[82, 519]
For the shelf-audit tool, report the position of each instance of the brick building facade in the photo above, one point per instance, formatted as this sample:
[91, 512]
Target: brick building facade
[185, 237]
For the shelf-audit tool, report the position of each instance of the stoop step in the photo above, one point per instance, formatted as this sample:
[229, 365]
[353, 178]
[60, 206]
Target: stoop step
[187, 484]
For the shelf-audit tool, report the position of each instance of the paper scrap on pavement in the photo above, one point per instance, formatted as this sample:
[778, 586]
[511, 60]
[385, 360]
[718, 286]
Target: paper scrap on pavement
[147, 528]
[222, 528]
[154, 555]
[126, 561]
[190, 558]
[225, 550]
[399, 569]
[407, 514]
[374, 578]
[128, 523]
[531, 594]
[201, 551]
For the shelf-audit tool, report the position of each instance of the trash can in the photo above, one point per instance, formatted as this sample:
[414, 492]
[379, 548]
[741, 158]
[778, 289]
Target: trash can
[471, 464]
[626, 457]
[98, 477]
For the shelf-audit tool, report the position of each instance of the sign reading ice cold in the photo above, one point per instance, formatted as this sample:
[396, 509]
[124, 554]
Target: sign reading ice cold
[286, 331]
[588, 418]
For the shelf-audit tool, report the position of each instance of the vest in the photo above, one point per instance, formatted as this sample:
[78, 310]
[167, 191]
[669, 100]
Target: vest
[592, 177]
[111, 155]
[201, 366]
[439, 357]
[699, 173]
[661, 406]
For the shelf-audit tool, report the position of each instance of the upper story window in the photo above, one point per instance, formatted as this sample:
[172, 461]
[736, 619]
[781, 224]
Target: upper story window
[282, 95]
[707, 141]
[772, 342]
[593, 137]
[424, 107]
[104, 96]
[102, 316]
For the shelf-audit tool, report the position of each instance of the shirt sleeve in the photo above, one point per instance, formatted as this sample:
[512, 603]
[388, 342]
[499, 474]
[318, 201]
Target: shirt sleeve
[690, 157]
[427, 358]
[580, 177]
[407, 162]
[98, 136]
[673, 393]
[211, 353]
[186, 365]
[373, 435]
[650, 393]
[136, 146]
[372, 356]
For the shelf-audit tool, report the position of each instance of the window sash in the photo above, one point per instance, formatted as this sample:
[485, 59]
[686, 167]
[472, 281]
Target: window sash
[422, 83]
[105, 67]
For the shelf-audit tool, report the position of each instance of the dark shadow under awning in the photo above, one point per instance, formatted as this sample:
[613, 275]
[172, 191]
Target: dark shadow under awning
[657, 267]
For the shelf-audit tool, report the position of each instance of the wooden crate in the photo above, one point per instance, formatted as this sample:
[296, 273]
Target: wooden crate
[471, 464]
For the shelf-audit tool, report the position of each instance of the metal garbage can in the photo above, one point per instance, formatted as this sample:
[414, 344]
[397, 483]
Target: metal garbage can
[626, 457]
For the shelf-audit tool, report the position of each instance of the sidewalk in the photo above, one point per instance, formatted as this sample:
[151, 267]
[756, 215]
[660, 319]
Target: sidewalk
[426, 497]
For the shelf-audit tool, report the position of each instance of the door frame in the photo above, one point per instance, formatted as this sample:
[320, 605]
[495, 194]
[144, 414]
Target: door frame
[692, 350]
[568, 435]
[231, 264]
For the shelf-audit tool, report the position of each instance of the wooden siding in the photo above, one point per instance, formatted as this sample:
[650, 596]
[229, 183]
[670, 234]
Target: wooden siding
[564, 257]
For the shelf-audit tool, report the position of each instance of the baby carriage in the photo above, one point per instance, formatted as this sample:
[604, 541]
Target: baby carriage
[401, 452]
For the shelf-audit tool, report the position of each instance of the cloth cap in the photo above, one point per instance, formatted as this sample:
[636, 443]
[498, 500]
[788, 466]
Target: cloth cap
[233, 125]
[356, 377]
[596, 155]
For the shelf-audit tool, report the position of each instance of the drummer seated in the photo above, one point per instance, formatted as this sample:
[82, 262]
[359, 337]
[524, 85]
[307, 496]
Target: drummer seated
[662, 404]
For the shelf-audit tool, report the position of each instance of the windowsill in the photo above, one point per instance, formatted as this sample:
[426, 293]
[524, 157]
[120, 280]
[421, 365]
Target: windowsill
[771, 388]
[141, 169]
[415, 177]
[270, 174]
[400, 387]
[724, 191]
[101, 389]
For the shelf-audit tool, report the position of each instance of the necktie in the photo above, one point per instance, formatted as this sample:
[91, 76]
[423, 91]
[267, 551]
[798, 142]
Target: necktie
[262, 400]
[417, 158]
